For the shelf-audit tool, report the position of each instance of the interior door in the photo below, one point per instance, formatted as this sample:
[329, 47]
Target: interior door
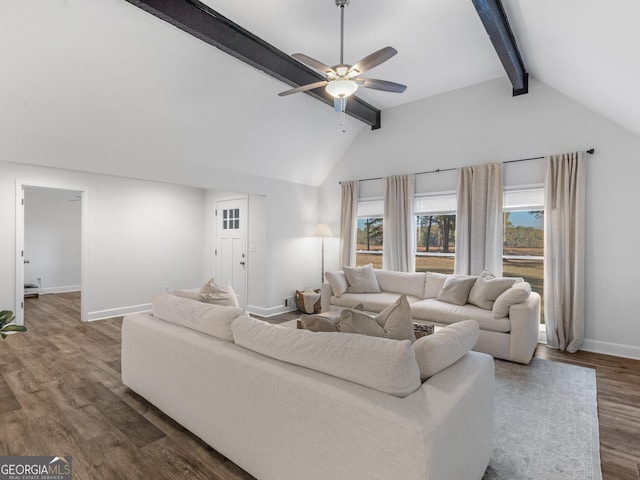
[231, 246]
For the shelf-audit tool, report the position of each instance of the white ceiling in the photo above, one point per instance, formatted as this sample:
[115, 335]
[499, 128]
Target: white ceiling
[105, 73]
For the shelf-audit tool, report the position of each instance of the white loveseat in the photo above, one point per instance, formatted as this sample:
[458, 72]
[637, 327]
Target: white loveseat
[509, 335]
[265, 397]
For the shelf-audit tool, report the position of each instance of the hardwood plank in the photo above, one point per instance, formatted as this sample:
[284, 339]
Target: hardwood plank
[8, 401]
[14, 435]
[176, 461]
[140, 431]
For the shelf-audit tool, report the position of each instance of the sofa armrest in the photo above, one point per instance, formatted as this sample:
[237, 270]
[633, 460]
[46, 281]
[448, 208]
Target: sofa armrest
[325, 297]
[525, 328]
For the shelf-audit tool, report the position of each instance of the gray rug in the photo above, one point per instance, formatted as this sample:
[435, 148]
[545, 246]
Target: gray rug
[545, 423]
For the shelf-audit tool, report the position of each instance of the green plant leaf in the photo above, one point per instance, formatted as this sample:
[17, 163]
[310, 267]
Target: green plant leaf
[6, 316]
[3, 336]
[14, 328]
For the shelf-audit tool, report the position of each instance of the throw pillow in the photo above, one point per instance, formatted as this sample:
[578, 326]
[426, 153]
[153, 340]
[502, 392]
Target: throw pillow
[519, 292]
[361, 279]
[318, 323]
[436, 352]
[393, 322]
[218, 294]
[434, 283]
[352, 321]
[456, 289]
[487, 288]
[338, 282]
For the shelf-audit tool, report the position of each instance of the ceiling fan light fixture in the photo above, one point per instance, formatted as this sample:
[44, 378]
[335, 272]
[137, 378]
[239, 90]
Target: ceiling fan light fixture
[341, 88]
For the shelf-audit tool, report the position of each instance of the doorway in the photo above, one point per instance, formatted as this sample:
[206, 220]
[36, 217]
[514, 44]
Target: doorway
[231, 246]
[50, 243]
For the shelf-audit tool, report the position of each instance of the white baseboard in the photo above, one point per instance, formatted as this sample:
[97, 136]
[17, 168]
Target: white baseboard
[118, 312]
[63, 289]
[269, 312]
[607, 348]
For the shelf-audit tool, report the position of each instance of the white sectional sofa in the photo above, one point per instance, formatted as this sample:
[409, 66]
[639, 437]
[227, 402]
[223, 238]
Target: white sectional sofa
[508, 330]
[289, 404]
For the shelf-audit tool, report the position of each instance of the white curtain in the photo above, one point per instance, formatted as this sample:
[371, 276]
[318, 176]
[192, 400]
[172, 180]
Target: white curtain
[398, 231]
[348, 216]
[479, 223]
[564, 237]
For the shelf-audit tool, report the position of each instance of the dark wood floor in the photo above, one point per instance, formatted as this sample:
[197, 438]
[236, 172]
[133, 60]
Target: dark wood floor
[61, 394]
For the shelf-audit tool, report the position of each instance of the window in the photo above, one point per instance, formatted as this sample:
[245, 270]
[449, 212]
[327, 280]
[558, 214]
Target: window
[435, 233]
[230, 218]
[523, 248]
[369, 234]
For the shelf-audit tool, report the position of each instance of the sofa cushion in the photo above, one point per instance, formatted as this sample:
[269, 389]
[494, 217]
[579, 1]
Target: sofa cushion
[386, 365]
[487, 288]
[361, 279]
[224, 295]
[432, 310]
[214, 320]
[436, 352]
[338, 282]
[456, 289]
[519, 292]
[433, 284]
[319, 323]
[372, 302]
[393, 322]
[401, 282]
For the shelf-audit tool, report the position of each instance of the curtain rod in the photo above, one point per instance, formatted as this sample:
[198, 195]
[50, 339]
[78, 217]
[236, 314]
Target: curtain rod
[591, 151]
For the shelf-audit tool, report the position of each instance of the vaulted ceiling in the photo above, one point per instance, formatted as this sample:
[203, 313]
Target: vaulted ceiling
[104, 81]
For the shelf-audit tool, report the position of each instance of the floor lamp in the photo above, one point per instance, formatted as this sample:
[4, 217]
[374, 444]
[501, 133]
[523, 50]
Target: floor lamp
[322, 230]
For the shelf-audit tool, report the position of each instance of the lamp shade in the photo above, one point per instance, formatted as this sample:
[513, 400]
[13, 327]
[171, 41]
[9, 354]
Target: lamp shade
[341, 88]
[322, 230]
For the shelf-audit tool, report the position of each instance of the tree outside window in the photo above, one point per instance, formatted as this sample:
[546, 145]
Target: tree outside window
[435, 243]
[369, 241]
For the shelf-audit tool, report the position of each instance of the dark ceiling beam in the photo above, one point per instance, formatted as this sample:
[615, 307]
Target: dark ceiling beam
[206, 24]
[497, 25]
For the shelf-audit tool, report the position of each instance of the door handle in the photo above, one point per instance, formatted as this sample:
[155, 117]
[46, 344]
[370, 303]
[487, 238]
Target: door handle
[27, 261]
[241, 263]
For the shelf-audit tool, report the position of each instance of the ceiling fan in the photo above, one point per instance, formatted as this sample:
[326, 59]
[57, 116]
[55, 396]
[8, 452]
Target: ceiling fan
[343, 80]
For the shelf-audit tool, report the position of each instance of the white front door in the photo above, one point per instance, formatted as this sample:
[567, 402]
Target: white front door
[231, 246]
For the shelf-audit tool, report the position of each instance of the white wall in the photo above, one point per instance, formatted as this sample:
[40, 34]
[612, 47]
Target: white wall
[143, 236]
[483, 123]
[146, 236]
[286, 257]
[52, 233]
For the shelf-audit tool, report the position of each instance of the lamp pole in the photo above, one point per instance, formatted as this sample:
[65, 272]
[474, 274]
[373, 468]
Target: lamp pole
[322, 279]
[322, 230]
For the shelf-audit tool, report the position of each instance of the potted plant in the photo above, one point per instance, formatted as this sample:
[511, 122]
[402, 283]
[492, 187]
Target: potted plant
[6, 317]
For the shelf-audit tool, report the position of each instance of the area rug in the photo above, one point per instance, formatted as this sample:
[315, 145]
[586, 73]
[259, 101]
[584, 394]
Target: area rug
[545, 423]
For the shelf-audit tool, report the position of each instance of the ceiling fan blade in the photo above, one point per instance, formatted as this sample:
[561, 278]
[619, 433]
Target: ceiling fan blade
[373, 60]
[381, 85]
[313, 63]
[304, 88]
